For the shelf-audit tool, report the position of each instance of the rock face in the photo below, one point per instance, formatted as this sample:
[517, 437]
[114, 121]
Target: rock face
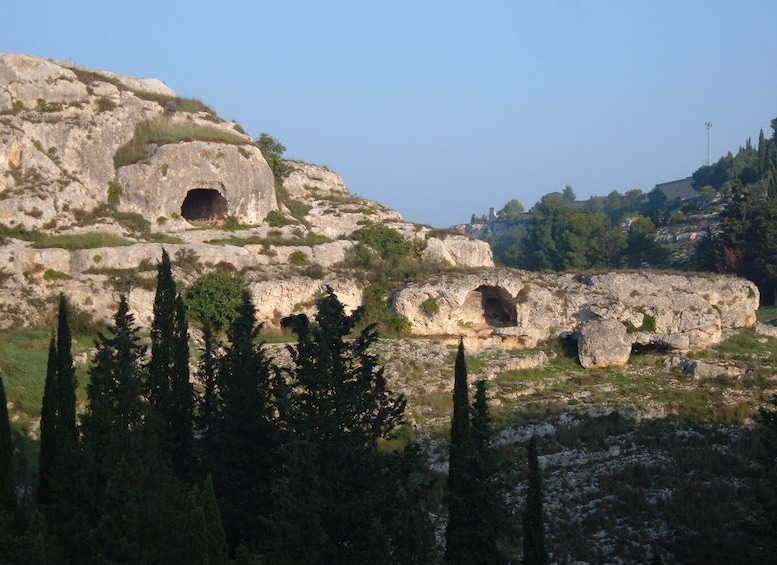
[61, 128]
[200, 181]
[519, 309]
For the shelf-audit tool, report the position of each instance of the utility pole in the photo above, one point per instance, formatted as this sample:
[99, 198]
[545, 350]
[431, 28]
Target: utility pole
[709, 143]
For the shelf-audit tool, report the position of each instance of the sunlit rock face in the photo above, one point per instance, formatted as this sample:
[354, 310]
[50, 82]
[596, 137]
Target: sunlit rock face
[519, 309]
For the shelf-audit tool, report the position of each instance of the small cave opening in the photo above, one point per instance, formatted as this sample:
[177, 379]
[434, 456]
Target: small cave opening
[204, 205]
[492, 305]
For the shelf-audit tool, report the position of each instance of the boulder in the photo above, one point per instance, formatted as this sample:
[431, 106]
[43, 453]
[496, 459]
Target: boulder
[603, 343]
[458, 251]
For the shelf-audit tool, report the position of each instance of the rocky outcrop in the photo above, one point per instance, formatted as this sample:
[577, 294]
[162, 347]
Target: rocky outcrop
[200, 181]
[62, 125]
[519, 309]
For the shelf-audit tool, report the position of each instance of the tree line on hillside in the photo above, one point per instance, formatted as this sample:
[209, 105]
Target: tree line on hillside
[560, 235]
[617, 231]
[243, 461]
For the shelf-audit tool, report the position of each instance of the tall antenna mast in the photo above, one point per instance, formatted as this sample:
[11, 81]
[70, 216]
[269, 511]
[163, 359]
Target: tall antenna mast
[709, 143]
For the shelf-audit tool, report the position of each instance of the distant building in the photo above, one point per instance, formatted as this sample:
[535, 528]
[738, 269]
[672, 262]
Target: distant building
[678, 190]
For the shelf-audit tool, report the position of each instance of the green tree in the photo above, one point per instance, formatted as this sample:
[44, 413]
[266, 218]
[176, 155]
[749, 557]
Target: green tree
[207, 377]
[169, 390]
[112, 426]
[489, 514]
[60, 481]
[339, 409]
[204, 541]
[59, 434]
[272, 151]
[48, 430]
[242, 444]
[569, 195]
[476, 517]
[642, 249]
[135, 501]
[216, 297]
[534, 550]
[512, 210]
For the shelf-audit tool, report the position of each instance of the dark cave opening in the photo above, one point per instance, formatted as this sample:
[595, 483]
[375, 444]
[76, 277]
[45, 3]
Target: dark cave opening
[203, 205]
[498, 307]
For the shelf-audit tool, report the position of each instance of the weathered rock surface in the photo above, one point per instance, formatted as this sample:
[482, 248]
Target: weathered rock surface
[62, 125]
[519, 308]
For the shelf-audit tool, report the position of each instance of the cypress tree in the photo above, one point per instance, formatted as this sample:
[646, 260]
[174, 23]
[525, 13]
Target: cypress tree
[112, 425]
[136, 502]
[58, 458]
[218, 553]
[241, 447]
[339, 408]
[534, 551]
[66, 381]
[459, 534]
[170, 392]
[489, 518]
[48, 439]
[207, 377]
[60, 480]
[7, 483]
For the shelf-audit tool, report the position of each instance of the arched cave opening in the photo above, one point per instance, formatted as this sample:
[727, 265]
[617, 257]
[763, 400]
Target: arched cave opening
[492, 305]
[203, 205]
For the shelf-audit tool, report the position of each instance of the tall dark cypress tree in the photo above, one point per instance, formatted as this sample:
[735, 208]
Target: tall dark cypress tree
[341, 489]
[170, 392]
[48, 433]
[136, 503]
[59, 434]
[242, 444]
[206, 375]
[112, 425]
[489, 517]
[460, 545]
[60, 479]
[7, 483]
[534, 550]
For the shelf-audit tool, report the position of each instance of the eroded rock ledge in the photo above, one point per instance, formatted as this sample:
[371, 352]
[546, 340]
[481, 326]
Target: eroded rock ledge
[507, 308]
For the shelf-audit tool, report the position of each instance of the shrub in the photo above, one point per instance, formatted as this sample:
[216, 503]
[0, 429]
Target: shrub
[105, 104]
[430, 306]
[388, 242]
[187, 260]
[314, 271]
[298, 258]
[54, 275]
[231, 223]
[216, 297]
[276, 220]
[375, 309]
[115, 191]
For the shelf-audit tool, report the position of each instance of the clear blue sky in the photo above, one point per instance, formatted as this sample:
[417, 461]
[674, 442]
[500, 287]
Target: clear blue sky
[444, 108]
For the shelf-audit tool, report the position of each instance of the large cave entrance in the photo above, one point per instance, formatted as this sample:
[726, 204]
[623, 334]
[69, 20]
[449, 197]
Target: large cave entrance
[491, 306]
[203, 205]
